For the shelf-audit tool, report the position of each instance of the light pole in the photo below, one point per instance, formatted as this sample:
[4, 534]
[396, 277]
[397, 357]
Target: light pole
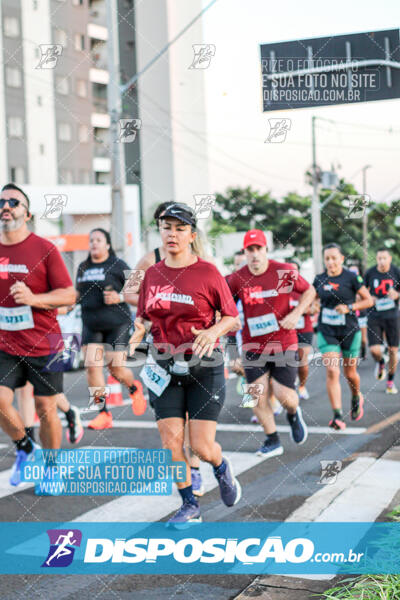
[316, 233]
[365, 219]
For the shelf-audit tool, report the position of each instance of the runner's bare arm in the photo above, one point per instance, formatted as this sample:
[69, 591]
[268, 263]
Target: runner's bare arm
[144, 263]
[22, 294]
[141, 327]
[365, 302]
[206, 338]
[289, 322]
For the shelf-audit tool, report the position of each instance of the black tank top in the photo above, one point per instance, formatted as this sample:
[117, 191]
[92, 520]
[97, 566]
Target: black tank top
[157, 255]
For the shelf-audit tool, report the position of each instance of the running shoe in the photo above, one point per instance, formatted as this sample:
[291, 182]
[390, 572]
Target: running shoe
[188, 513]
[254, 420]
[102, 421]
[74, 432]
[21, 455]
[269, 449]
[357, 407]
[229, 487]
[298, 428]
[303, 393]
[139, 402]
[380, 371]
[391, 388]
[197, 482]
[337, 423]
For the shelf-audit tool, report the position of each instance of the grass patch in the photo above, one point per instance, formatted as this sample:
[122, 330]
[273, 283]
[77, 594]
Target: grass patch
[368, 587]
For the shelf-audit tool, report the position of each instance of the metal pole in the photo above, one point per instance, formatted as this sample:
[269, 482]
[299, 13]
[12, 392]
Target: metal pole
[118, 234]
[365, 220]
[315, 208]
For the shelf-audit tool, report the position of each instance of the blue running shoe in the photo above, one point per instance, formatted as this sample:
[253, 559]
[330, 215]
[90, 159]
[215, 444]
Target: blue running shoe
[197, 483]
[188, 513]
[21, 455]
[298, 428]
[229, 487]
[269, 449]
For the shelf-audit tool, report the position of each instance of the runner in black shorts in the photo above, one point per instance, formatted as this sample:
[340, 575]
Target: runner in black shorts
[34, 281]
[107, 321]
[383, 281]
[338, 330]
[305, 334]
[269, 337]
[362, 317]
[179, 297]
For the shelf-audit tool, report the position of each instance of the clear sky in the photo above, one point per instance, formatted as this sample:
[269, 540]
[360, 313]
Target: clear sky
[237, 127]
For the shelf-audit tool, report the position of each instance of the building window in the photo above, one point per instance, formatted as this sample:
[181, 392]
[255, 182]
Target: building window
[79, 41]
[11, 27]
[41, 149]
[66, 176]
[60, 37]
[64, 132]
[39, 100]
[15, 127]
[35, 4]
[13, 77]
[83, 133]
[17, 175]
[62, 85]
[81, 88]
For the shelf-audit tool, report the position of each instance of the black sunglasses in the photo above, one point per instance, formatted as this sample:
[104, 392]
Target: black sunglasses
[12, 203]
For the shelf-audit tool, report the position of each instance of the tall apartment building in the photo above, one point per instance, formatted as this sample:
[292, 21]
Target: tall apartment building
[54, 122]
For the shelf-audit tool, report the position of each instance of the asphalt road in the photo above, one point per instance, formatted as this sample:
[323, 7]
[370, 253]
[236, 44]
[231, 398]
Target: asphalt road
[272, 489]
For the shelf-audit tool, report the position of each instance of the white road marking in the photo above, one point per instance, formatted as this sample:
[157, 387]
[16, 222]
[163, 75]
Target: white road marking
[154, 508]
[237, 427]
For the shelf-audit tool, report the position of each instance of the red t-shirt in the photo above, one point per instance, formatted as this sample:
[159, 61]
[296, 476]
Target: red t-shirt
[175, 300]
[266, 301]
[305, 320]
[38, 263]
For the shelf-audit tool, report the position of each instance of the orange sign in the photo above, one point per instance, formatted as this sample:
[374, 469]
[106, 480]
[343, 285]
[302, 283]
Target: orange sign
[75, 241]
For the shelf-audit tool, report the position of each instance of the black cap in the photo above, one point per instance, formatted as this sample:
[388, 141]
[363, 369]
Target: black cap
[183, 212]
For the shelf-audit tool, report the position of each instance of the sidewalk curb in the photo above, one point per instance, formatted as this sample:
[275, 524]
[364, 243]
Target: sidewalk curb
[281, 587]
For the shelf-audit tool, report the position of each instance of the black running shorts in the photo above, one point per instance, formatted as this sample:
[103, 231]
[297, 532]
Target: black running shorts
[376, 329]
[15, 371]
[201, 394]
[280, 367]
[114, 337]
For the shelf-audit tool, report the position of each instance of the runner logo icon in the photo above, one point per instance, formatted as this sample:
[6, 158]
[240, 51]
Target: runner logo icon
[63, 543]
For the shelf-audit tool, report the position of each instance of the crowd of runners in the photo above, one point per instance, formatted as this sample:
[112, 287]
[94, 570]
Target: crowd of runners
[190, 323]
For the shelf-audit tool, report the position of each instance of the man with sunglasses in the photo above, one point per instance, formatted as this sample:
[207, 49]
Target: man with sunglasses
[34, 281]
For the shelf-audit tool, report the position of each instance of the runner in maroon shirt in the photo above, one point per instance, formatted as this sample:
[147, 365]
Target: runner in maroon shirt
[305, 333]
[180, 296]
[34, 281]
[269, 336]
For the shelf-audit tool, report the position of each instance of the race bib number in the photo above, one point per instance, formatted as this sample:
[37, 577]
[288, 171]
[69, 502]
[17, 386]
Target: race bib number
[155, 377]
[331, 317]
[300, 323]
[263, 324]
[16, 319]
[384, 304]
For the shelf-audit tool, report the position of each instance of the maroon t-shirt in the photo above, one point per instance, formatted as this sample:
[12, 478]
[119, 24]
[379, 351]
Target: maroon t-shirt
[175, 300]
[266, 301]
[305, 320]
[38, 263]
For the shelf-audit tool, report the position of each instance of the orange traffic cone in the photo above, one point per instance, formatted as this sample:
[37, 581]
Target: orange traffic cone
[115, 397]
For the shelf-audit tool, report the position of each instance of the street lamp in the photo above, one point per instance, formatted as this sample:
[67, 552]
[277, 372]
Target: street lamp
[365, 219]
